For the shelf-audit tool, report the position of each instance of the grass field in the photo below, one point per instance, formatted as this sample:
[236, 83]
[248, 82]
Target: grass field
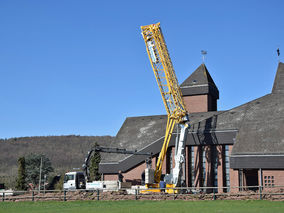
[142, 206]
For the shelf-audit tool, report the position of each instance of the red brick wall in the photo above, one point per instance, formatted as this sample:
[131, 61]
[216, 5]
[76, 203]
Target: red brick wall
[234, 176]
[196, 103]
[200, 103]
[110, 177]
[135, 173]
[164, 166]
[208, 164]
[220, 168]
[197, 166]
[187, 166]
[234, 180]
[270, 177]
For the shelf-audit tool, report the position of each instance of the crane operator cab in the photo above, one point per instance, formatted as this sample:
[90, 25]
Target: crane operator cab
[74, 180]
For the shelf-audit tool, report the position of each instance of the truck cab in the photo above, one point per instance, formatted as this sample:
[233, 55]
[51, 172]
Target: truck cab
[74, 180]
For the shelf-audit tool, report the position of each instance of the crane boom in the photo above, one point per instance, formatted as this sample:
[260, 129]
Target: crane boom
[164, 71]
[96, 148]
[171, 94]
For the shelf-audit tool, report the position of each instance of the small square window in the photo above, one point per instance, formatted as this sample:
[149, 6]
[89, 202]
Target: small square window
[265, 177]
[268, 181]
[268, 177]
[272, 177]
[265, 181]
[265, 185]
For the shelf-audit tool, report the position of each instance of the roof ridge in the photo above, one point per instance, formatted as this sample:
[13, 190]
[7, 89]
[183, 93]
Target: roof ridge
[278, 85]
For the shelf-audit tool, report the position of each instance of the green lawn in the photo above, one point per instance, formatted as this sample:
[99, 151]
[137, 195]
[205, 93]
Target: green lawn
[143, 206]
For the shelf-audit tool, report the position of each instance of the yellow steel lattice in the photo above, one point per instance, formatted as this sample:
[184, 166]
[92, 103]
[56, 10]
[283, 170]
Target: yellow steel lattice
[164, 71]
[168, 85]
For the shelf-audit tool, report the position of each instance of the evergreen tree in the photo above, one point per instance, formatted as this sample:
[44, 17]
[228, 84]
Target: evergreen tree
[33, 162]
[21, 180]
[94, 167]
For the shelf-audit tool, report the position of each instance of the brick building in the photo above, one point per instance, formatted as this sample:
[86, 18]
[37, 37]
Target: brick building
[243, 146]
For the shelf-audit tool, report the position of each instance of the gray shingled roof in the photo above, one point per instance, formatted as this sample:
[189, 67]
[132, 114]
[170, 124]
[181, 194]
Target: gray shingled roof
[136, 133]
[199, 82]
[262, 129]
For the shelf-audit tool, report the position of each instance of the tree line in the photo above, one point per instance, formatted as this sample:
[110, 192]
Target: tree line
[64, 152]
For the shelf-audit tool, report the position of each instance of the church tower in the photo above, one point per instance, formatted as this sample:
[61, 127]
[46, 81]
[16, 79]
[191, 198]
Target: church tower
[200, 94]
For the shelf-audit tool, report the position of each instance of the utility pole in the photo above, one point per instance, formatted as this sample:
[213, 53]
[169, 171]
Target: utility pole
[40, 174]
[44, 181]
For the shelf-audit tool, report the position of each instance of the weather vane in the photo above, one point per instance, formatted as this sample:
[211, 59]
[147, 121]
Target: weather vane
[203, 53]
[278, 54]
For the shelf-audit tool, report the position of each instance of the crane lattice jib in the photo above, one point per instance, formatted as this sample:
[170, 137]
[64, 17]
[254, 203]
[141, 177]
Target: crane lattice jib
[168, 85]
[164, 71]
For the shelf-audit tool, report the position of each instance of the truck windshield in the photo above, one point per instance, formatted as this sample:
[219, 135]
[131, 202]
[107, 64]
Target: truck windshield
[68, 177]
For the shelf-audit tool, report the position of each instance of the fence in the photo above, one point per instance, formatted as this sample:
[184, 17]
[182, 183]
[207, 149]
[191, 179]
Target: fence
[182, 193]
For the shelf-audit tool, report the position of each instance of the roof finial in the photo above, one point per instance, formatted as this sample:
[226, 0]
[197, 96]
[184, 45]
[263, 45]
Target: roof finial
[203, 53]
[278, 54]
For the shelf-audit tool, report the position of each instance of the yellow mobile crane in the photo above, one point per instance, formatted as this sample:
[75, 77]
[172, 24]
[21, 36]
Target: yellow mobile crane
[172, 98]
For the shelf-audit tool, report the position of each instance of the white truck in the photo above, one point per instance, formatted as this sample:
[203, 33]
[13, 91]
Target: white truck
[77, 180]
[74, 180]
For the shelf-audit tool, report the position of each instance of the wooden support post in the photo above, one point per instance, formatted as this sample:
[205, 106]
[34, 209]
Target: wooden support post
[260, 185]
[64, 196]
[98, 194]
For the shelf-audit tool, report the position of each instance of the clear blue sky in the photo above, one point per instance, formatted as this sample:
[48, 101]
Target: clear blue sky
[80, 67]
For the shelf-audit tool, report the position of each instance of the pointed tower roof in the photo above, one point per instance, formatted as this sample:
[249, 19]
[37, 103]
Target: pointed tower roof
[278, 86]
[199, 82]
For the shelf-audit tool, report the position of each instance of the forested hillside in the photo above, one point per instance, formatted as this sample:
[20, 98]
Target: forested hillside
[65, 152]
